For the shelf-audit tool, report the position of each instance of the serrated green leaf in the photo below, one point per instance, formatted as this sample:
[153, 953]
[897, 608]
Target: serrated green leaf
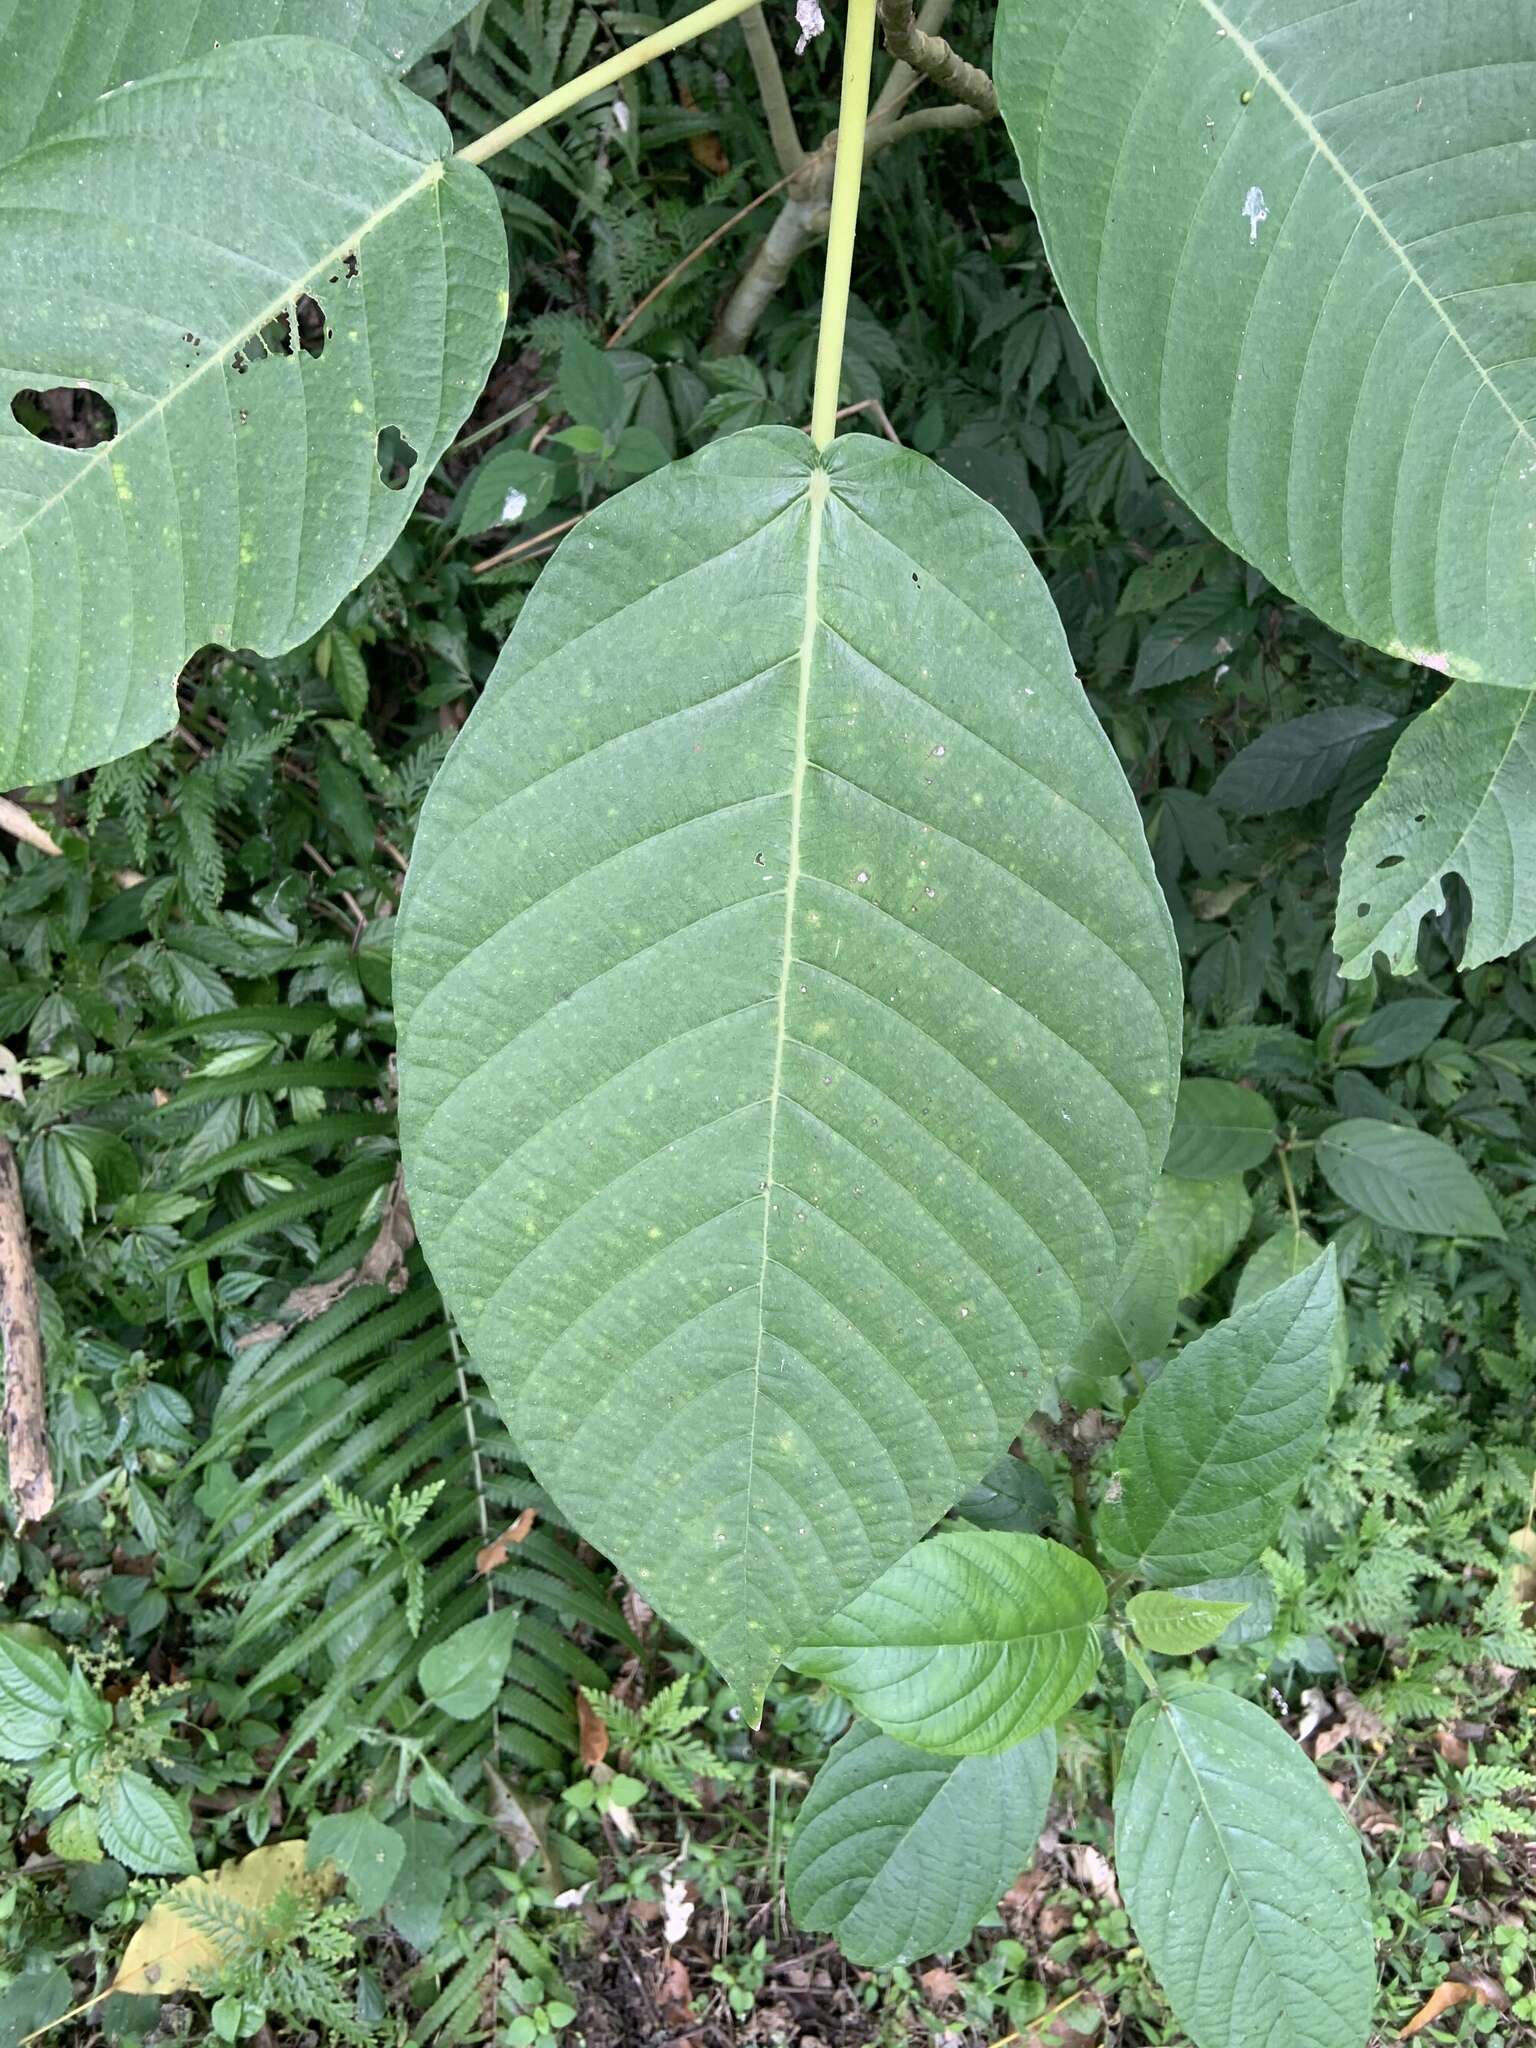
[463, 1674]
[367, 1854]
[34, 1689]
[1194, 635]
[972, 1642]
[1217, 1445]
[57, 56]
[1261, 221]
[242, 494]
[1010, 1495]
[898, 1853]
[510, 485]
[1175, 1625]
[1405, 1179]
[1397, 1031]
[75, 1836]
[1278, 1258]
[1458, 798]
[1218, 1129]
[1297, 761]
[144, 1827]
[786, 1007]
[1244, 1881]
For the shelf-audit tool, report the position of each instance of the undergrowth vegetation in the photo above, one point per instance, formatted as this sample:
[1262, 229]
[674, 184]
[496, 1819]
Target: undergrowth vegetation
[299, 1587]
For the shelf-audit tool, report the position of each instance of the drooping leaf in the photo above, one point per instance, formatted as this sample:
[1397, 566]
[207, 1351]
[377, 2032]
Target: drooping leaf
[786, 1011]
[1295, 244]
[225, 221]
[1218, 1129]
[898, 1853]
[1397, 1031]
[363, 1849]
[969, 1644]
[144, 1827]
[1140, 1320]
[1245, 1883]
[1458, 798]
[168, 1953]
[1218, 1444]
[463, 1674]
[1176, 1625]
[1297, 761]
[1405, 1179]
[56, 56]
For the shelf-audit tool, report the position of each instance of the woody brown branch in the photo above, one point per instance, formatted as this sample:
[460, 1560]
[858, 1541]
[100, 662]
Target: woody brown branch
[934, 59]
[25, 1417]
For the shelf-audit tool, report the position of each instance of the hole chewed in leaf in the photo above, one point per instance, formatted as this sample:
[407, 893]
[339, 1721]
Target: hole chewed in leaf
[66, 416]
[1392, 860]
[397, 458]
[299, 329]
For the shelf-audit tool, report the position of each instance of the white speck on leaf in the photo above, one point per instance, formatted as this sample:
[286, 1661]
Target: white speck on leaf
[513, 506]
[812, 21]
[1254, 210]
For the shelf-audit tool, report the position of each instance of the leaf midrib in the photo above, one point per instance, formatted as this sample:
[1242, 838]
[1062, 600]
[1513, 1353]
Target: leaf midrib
[108, 451]
[1362, 200]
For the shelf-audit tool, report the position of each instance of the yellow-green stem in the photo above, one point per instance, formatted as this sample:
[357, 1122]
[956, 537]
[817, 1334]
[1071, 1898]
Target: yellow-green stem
[564, 97]
[847, 172]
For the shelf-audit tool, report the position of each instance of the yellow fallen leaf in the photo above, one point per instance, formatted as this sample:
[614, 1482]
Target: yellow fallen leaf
[1440, 2001]
[168, 1953]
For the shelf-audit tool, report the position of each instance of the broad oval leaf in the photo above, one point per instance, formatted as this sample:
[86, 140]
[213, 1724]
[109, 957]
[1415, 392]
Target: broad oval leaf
[1218, 1129]
[898, 1853]
[1405, 1179]
[168, 1953]
[56, 56]
[144, 1827]
[1297, 761]
[242, 494]
[1296, 244]
[463, 1674]
[1175, 1625]
[1217, 1445]
[787, 1012]
[1199, 1225]
[970, 1643]
[1458, 798]
[1244, 1881]
[1279, 1258]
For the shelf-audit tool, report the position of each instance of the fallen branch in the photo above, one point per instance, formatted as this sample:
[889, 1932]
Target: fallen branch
[26, 1409]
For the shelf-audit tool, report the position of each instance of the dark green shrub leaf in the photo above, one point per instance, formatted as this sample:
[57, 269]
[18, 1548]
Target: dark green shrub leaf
[510, 485]
[463, 1674]
[1217, 1445]
[1405, 1179]
[786, 1011]
[1297, 761]
[242, 493]
[1397, 1031]
[57, 56]
[1458, 797]
[898, 1853]
[1257, 230]
[971, 1643]
[1176, 1624]
[144, 1827]
[1218, 1129]
[1244, 1881]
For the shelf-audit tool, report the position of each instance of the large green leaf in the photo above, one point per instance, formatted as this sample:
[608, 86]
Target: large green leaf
[1244, 1881]
[898, 1853]
[1458, 797]
[1217, 1445]
[968, 1644]
[1297, 244]
[787, 1010]
[1405, 1179]
[1219, 1129]
[56, 56]
[242, 495]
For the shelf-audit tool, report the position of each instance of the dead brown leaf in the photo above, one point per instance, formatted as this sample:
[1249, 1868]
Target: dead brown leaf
[491, 1554]
[382, 1265]
[521, 1822]
[707, 151]
[939, 1985]
[1356, 1723]
[1091, 1868]
[1441, 2000]
[594, 1731]
[1452, 1748]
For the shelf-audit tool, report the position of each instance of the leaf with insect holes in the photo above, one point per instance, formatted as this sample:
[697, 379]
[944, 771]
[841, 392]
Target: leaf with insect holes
[1244, 1882]
[968, 1644]
[788, 1016]
[289, 294]
[56, 56]
[1218, 1444]
[1405, 1179]
[1458, 798]
[1296, 241]
[898, 1853]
